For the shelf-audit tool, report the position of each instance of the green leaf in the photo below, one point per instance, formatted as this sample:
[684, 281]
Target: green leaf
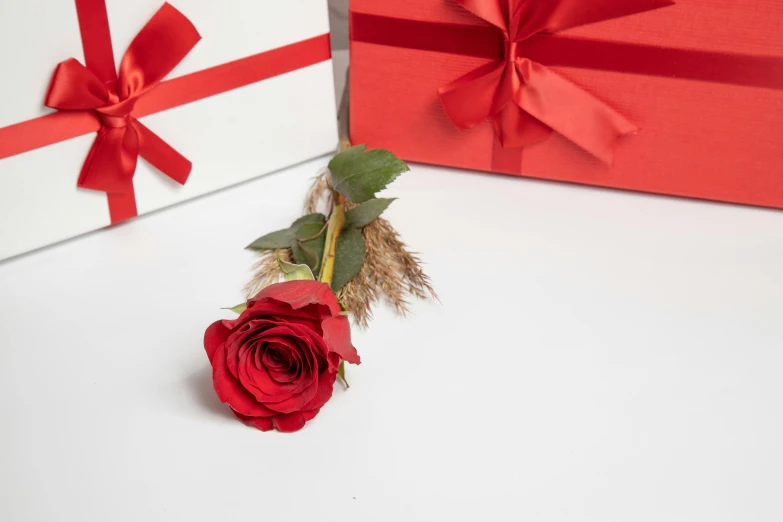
[311, 231]
[316, 217]
[349, 256]
[295, 272]
[284, 238]
[358, 175]
[341, 374]
[238, 308]
[367, 212]
[309, 252]
[303, 254]
[272, 241]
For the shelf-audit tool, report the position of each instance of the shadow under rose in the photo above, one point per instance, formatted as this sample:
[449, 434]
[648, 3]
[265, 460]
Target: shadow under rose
[200, 384]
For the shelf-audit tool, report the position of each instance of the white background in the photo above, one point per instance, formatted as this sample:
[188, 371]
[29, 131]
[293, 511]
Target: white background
[597, 356]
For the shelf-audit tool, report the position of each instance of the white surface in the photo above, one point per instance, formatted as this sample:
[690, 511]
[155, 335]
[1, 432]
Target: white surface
[232, 137]
[598, 356]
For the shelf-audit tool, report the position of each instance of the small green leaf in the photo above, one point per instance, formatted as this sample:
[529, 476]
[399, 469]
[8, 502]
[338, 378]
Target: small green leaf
[309, 252]
[295, 272]
[310, 231]
[283, 238]
[238, 308]
[367, 212]
[358, 175]
[306, 255]
[272, 241]
[341, 374]
[349, 256]
[316, 217]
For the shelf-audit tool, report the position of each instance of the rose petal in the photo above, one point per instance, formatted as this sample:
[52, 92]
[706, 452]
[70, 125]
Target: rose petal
[289, 422]
[334, 361]
[245, 332]
[289, 367]
[299, 294]
[264, 389]
[265, 308]
[306, 318]
[297, 401]
[262, 423]
[230, 391]
[232, 357]
[216, 334]
[310, 345]
[284, 312]
[313, 339]
[337, 334]
[310, 415]
[324, 393]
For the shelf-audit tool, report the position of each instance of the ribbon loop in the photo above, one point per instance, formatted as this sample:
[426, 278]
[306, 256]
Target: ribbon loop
[75, 87]
[557, 15]
[159, 47]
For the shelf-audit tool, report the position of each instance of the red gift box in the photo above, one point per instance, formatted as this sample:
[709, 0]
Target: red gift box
[680, 98]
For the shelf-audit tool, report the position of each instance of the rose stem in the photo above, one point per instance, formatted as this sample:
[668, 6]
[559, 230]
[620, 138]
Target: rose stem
[337, 218]
[336, 222]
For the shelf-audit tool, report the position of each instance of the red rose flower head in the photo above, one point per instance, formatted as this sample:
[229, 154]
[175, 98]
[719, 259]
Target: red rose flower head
[275, 365]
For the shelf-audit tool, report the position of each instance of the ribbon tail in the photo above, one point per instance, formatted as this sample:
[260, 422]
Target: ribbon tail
[571, 111]
[471, 99]
[111, 162]
[122, 206]
[516, 128]
[161, 155]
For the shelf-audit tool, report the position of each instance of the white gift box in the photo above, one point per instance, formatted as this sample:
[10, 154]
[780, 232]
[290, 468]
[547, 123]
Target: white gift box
[229, 137]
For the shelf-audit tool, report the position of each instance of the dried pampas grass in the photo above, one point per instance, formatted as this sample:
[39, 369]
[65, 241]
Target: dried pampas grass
[266, 270]
[389, 272]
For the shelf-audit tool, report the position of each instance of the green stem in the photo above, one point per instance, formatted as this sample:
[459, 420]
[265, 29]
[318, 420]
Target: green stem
[334, 226]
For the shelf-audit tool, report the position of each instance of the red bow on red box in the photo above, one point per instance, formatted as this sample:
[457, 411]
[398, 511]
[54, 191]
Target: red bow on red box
[527, 100]
[519, 91]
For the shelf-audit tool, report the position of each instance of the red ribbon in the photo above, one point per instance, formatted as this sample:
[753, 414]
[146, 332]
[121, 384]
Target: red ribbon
[94, 97]
[524, 98]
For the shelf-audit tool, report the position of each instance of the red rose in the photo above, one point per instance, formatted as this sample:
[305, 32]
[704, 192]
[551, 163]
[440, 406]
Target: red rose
[276, 364]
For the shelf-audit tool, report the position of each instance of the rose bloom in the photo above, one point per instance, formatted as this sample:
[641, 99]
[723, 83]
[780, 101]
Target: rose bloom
[276, 364]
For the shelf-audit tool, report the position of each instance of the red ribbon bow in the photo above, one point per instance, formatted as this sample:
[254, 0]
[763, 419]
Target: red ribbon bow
[526, 100]
[166, 39]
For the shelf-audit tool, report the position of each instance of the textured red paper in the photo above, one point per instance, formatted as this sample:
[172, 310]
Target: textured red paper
[698, 139]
